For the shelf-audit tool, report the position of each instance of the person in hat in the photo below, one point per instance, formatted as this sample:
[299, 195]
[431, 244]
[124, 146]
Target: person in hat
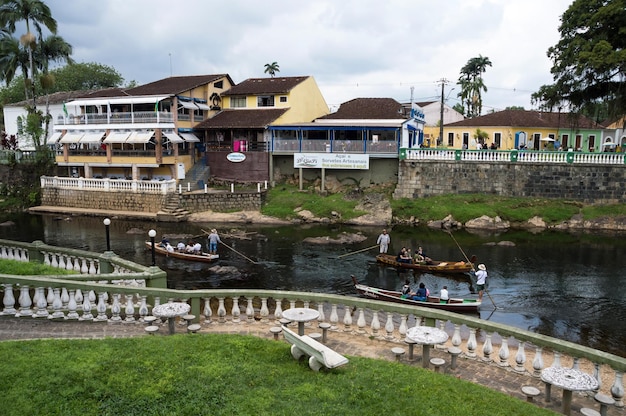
[383, 240]
[481, 279]
[214, 238]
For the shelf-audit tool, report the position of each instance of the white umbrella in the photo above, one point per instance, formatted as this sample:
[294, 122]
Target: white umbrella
[609, 143]
[547, 139]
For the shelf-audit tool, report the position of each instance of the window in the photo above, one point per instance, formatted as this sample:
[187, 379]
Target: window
[265, 101]
[451, 139]
[237, 102]
[283, 99]
[497, 139]
[592, 142]
[219, 84]
[565, 141]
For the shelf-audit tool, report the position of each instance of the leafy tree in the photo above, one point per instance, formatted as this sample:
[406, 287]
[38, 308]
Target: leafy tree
[86, 76]
[589, 61]
[515, 107]
[32, 12]
[458, 107]
[272, 68]
[472, 85]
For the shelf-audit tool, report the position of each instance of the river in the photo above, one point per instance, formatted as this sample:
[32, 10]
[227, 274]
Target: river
[565, 285]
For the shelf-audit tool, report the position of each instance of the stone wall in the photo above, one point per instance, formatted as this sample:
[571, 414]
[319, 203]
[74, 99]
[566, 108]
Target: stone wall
[586, 183]
[114, 201]
[222, 201]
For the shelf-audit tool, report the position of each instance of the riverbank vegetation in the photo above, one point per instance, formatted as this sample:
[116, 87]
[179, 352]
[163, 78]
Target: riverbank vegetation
[205, 374]
[283, 201]
[21, 268]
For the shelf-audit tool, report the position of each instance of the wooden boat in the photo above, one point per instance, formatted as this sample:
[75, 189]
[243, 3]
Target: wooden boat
[433, 266]
[453, 305]
[203, 257]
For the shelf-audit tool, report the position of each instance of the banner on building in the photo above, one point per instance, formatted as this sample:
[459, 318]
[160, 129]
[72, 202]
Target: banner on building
[331, 161]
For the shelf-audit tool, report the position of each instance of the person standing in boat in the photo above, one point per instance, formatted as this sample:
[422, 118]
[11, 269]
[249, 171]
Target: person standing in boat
[384, 240]
[443, 295]
[481, 280]
[214, 238]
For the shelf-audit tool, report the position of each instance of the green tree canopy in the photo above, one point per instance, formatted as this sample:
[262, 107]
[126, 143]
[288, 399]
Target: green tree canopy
[589, 61]
[472, 85]
[272, 68]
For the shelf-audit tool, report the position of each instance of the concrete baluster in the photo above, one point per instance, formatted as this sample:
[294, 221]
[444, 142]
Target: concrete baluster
[72, 306]
[41, 303]
[538, 362]
[487, 347]
[208, 313]
[61, 261]
[54, 262]
[456, 336]
[360, 321]
[250, 310]
[65, 297]
[334, 317]
[25, 302]
[221, 310]
[84, 269]
[92, 267]
[264, 312]
[320, 310]
[471, 343]
[101, 308]
[78, 296]
[278, 312]
[116, 309]
[236, 311]
[57, 305]
[50, 297]
[375, 323]
[403, 325]
[520, 358]
[389, 327]
[617, 390]
[143, 308]
[130, 309]
[87, 315]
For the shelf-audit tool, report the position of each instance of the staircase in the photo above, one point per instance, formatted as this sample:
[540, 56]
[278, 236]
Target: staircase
[172, 212]
[199, 172]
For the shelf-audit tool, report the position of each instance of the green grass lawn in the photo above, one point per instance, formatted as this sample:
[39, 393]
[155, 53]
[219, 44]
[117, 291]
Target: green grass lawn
[217, 374]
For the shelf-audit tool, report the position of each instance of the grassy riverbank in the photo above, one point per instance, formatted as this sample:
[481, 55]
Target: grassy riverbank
[283, 201]
[218, 374]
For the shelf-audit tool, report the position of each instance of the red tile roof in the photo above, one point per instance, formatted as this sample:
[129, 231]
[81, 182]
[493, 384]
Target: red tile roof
[522, 118]
[367, 109]
[257, 86]
[176, 85]
[242, 119]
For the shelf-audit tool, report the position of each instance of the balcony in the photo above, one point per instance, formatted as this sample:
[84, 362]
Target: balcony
[137, 117]
[385, 147]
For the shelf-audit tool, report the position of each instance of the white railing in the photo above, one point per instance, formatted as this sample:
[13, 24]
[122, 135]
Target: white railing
[110, 185]
[514, 156]
[137, 117]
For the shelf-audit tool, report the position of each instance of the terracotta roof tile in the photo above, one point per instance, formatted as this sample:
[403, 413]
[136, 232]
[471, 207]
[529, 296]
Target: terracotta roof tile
[521, 118]
[242, 119]
[367, 109]
[256, 86]
[175, 85]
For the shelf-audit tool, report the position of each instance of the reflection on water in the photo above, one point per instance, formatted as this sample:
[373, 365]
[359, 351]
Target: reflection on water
[563, 285]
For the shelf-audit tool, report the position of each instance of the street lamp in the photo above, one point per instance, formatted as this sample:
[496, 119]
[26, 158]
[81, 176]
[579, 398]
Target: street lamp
[107, 222]
[152, 234]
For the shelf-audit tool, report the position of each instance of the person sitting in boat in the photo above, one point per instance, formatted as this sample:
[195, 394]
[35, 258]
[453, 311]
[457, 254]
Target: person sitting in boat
[403, 256]
[421, 257]
[164, 242]
[406, 289]
[189, 247]
[444, 296]
[169, 247]
[197, 248]
[421, 293]
[181, 247]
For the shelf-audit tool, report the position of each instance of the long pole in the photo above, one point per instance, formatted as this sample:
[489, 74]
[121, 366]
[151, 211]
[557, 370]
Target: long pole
[241, 254]
[474, 270]
[358, 251]
[153, 253]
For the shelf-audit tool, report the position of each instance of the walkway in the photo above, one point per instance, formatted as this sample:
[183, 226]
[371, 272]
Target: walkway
[491, 375]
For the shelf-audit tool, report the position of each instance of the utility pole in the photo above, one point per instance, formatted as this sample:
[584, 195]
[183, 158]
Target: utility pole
[443, 82]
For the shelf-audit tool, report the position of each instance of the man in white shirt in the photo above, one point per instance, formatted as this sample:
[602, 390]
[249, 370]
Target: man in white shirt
[481, 279]
[383, 240]
[444, 294]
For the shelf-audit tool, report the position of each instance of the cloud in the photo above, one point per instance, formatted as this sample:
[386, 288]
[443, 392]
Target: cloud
[352, 48]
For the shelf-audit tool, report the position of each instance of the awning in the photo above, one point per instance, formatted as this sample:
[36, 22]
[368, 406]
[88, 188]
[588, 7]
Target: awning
[140, 136]
[54, 138]
[147, 99]
[202, 106]
[72, 137]
[191, 138]
[117, 137]
[187, 104]
[173, 137]
[93, 137]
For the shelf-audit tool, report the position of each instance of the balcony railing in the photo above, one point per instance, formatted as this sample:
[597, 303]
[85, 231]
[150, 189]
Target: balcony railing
[78, 297]
[137, 117]
[110, 185]
[334, 146]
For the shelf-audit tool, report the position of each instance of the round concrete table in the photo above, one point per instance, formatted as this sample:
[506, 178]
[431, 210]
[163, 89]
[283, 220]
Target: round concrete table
[569, 380]
[300, 315]
[426, 336]
[170, 311]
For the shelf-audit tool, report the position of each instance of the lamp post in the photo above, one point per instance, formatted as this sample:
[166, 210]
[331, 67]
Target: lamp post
[152, 234]
[106, 223]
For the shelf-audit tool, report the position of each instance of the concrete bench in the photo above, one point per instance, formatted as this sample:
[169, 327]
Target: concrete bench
[530, 392]
[151, 329]
[276, 330]
[398, 352]
[454, 353]
[437, 363]
[319, 354]
[193, 328]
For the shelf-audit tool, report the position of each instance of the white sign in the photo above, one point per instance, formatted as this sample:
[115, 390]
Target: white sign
[236, 157]
[331, 161]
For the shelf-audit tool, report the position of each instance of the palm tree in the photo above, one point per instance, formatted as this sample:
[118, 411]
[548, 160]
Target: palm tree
[12, 58]
[32, 12]
[272, 68]
[472, 85]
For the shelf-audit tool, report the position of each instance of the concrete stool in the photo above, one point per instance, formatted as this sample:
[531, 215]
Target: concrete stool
[284, 321]
[454, 353]
[589, 412]
[398, 352]
[276, 330]
[437, 362]
[151, 329]
[193, 328]
[411, 344]
[316, 336]
[324, 326]
[530, 392]
[605, 401]
[188, 318]
[149, 320]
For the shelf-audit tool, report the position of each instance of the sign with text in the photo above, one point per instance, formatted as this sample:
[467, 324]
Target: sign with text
[331, 161]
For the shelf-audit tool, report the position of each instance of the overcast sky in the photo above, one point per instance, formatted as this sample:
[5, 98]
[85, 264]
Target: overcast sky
[353, 48]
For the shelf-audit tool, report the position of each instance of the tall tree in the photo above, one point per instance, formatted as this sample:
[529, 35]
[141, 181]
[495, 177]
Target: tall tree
[272, 68]
[31, 12]
[472, 85]
[589, 61]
